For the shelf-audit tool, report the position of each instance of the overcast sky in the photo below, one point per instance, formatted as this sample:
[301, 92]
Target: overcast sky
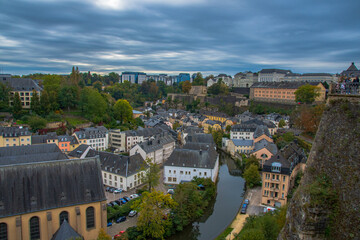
[172, 36]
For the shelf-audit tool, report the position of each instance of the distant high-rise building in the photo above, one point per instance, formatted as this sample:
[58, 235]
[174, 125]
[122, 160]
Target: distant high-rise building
[183, 77]
[133, 77]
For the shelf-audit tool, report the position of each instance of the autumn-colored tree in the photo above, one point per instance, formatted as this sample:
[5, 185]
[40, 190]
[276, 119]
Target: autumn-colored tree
[152, 208]
[103, 235]
[307, 93]
[308, 118]
[186, 86]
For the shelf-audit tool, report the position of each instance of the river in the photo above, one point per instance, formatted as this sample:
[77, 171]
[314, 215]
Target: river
[221, 212]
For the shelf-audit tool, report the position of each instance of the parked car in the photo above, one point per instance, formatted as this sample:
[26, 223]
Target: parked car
[118, 202]
[107, 189]
[112, 189]
[119, 234]
[126, 198]
[243, 208]
[171, 191]
[123, 201]
[113, 203]
[247, 201]
[121, 219]
[118, 190]
[109, 205]
[133, 196]
[132, 213]
[109, 224]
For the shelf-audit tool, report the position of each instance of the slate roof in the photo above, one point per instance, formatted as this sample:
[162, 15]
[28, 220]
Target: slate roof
[242, 142]
[352, 67]
[110, 162]
[274, 70]
[30, 154]
[145, 132]
[212, 122]
[200, 138]
[192, 156]
[66, 232]
[67, 138]
[38, 186]
[38, 139]
[263, 143]
[288, 157]
[256, 121]
[23, 84]
[243, 128]
[260, 130]
[156, 142]
[352, 71]
[14, 131]
[282, 85]
[92, 132]
[216, 114]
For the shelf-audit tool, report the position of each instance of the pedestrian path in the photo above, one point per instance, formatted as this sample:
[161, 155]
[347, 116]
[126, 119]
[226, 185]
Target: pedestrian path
[237, 225]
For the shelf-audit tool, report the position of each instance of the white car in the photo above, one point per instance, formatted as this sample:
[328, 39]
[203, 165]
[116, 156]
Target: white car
[132, 196]
[132, 213]
[118, 190]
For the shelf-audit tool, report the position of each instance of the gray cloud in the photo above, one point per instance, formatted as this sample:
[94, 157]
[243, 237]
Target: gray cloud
[176, 36]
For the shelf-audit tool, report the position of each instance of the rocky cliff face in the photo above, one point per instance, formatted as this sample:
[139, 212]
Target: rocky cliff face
[327, 202]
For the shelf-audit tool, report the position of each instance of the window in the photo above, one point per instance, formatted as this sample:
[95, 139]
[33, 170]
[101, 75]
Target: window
[90, 217]
[174, 179]
[205, 173]
[115, 178]
[283, 186]
[282, 195]
[284, 179]
[130, 185]
[169, 179]
[64, 216]
[181, 172]
[110, 176]
[34, 228]
[104, 175]
[3, 231]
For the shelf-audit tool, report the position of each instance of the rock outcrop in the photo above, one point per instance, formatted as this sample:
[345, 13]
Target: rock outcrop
[327, 202]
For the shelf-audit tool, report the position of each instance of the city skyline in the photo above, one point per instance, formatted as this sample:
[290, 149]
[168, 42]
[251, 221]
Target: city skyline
[155, 36]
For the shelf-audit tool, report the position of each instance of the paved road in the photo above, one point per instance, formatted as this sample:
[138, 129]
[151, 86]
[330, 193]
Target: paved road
[117, 227]
[254, 195]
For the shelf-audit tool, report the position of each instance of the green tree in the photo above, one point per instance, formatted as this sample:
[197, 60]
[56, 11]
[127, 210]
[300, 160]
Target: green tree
[252, 160]
[4, 97]
[152, 173]
[35, 103]
[68, 97]
[17, 108]
[186, 86]
[138, 122]
[75, 76]
[252, 176]
[217, 135]
[190, 204]
[93, 104]
[152, 208]
[45, 104]
[97, 85]
[176, 125]
[37, 123]
[199, 80]
[123, 111]
[282, 123]
[252, 234]
[228, 128]
[307, 93]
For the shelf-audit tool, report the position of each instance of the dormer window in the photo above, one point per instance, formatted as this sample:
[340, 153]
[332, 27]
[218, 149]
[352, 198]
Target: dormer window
[276, 167]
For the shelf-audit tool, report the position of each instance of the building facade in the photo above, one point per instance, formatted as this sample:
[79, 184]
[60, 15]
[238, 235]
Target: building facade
[96, 137]
[37, 207]
[279, 173]
[281, 92]
[14, 136]
[272, 75]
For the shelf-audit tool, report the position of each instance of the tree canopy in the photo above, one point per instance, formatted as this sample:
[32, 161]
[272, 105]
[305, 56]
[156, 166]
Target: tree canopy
[307, 93]
[152, 174]
[123, 111]
[152, 220]
[186, 86]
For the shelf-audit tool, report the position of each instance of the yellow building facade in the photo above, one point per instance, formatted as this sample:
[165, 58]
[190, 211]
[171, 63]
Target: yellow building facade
[14, 136]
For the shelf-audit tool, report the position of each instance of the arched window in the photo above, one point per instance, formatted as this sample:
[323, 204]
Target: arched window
[34, 228]
[90, 217]
[64, 216]
[3, 231]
